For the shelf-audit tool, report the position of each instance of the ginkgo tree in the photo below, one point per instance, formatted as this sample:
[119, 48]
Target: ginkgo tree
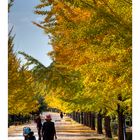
[23, 90]
[19, 92]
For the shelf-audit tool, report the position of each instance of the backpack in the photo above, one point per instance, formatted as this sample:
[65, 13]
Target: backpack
[26, 131]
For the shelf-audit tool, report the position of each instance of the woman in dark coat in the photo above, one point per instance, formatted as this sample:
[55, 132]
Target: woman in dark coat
[39, 126]
[48, 130]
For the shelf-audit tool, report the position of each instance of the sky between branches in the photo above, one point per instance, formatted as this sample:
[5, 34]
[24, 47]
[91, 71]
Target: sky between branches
[29, 38]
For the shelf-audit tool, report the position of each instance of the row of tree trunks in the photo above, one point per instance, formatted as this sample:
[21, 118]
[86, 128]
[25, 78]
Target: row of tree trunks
[88, 119]
[18, 119]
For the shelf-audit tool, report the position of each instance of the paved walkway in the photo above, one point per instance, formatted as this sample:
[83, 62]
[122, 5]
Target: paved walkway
[66, 129]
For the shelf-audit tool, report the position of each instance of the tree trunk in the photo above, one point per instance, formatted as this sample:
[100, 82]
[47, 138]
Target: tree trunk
[78, 117]
[92, 121]
[85, 118]
[120, 121]
[73, 116]
[99, 124]
[107, 126]
[121, 125]
[88, 119]
[76, 114]
[82, 119]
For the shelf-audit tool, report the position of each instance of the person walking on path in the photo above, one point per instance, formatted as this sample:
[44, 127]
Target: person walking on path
[39, 126]
[61, 115]
[48, 130]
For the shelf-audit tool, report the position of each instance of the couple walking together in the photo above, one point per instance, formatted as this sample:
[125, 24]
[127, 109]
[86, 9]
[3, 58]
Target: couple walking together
[48, 128]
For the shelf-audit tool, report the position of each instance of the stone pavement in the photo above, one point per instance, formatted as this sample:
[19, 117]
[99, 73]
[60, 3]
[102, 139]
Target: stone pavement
[66, 129]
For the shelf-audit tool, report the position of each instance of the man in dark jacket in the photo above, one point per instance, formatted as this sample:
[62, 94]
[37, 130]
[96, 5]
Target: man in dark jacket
[48, 130]
[39, 126]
